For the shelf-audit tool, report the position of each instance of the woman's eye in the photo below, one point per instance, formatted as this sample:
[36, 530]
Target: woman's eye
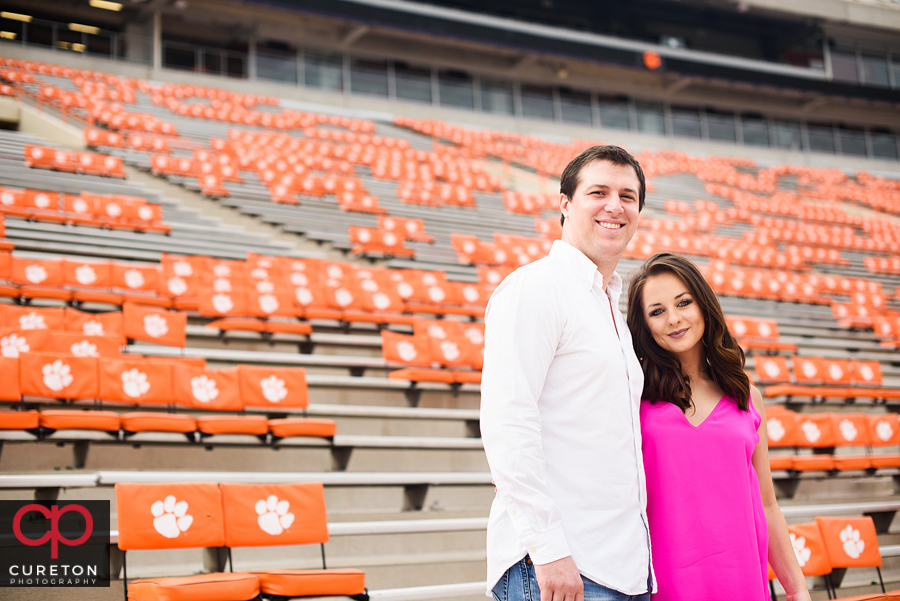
[655, 312]
[685, 302]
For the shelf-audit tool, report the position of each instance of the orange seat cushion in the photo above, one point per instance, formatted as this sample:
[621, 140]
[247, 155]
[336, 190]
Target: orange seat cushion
[237, 323]
[64, 419]
[9, 291]
[155, 301]
[846, 463]
[302, 426]
[422, 375]
[237, 586]
[97, 296]
[233, 424]
[780, 462]
[158, 422]
[40, 292]
[467, 377]
[19, 420]
[812, 463]
[312, 583]
[289, 327]
[884, 461]
[323, 313]
[186, 304]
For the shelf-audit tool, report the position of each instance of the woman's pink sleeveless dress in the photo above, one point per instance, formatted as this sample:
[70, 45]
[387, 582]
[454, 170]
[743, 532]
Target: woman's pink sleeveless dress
[707, 526]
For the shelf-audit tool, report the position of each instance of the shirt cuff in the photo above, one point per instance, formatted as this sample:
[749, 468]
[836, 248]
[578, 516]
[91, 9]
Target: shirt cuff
[551, 546]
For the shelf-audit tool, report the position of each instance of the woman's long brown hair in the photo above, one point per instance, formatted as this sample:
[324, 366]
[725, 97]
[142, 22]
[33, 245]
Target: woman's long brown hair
[664, 378]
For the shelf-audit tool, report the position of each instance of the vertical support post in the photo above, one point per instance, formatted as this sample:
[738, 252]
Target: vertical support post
[157, 40]
[251, 58]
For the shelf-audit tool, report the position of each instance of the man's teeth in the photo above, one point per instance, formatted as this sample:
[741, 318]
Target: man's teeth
[610, 226]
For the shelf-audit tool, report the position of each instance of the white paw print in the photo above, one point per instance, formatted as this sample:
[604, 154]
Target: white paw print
[437, 294]
[12, 345]
[145, 212]
[437, 331]
[866, 372]
[303, 296]
[155, 325]
[274, 517]
[450, 350]
[268, 303]
[299, 279]
[273, 389]
[170, 517]
[204, 388]
[802, 552]
[182, 269]
[42, 201]
[222, 303]
[853, 546]
[884, 430]
[113, 209]
[848, 430]
[84, 349]
[343, 297]
[835, 372]
[474, 335]
[134, 279]
[811, 431]
[93, 327]
[470, 293]
[85, 274]
[222, 271]
[222, 285]
[134, 383]
[407, 350]
[739, 328]
[775, 429]
[808, 368]
[405, 290]
[176, 285]
[771, 369]
[265, 287]
[32, 321]
[57, 375]
[36, 273]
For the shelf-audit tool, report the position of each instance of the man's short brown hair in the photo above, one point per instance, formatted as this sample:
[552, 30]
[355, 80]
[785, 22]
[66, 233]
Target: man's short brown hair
[615, 155]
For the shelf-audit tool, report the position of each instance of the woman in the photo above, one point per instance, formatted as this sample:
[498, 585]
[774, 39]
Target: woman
[714, 520]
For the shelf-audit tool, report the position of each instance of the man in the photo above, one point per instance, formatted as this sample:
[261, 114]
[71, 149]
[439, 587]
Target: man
[560, 400]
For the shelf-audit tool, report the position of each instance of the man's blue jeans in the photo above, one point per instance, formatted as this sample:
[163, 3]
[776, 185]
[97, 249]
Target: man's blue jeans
[520, 584]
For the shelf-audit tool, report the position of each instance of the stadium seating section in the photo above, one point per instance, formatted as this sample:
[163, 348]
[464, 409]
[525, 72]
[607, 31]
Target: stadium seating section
[128, 319]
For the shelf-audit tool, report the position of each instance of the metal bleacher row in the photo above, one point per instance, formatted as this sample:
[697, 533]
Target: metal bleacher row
[406, 484]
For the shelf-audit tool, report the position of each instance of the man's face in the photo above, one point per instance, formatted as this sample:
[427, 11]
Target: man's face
[603, 214]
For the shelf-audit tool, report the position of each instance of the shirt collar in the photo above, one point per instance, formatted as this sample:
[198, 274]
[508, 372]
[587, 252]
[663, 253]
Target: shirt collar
[579, 265]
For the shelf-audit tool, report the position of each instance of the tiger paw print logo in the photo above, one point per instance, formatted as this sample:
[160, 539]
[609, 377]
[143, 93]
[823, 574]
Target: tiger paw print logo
[273, 389]
[204, 388]
[274, 516]
[170, 517]
[853, 544]
[57, 375]
[775, 430]
[802, 552]
[811, 431]
[848, 430]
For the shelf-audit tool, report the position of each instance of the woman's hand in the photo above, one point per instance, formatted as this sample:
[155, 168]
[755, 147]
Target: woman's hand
[801, 596]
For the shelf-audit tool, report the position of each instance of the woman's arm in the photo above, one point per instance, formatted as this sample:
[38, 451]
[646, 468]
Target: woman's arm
[781, 552]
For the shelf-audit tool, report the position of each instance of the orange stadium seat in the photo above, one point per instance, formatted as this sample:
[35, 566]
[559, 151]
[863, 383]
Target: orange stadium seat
[150, 324]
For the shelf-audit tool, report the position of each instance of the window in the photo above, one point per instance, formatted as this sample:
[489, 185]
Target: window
[413, 83]
[884, 144]
[276, 64]
[821, 137]
[786, 134]
[875, 70]
[685, 122]
[650, 118]
[755, 129]
[575, 106]
[324, 71]
[455, 88]
[853, 141]
[720, 125]
[497, 97]
[844, 67]
[613, 112]
[368, 77]
[537, 102]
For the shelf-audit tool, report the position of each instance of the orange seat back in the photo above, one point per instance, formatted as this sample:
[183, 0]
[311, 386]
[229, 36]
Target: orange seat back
[273, 386]
[781, 428]
[851, 542]
[884, 430]
[836, 371]
[9, 390]
[809, 548]
[815, 430]
[32, 318]
[771, 369]
[38, 273]
[274, 514]
[850, 429]
[213, 389]
[154, 325]
[135, 380]
[405, 349]
[866, 373]
[58, 376]
[94, 324]
[169, 516]
[809, 370]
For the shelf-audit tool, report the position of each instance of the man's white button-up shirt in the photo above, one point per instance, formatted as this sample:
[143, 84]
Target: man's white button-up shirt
[560, 406]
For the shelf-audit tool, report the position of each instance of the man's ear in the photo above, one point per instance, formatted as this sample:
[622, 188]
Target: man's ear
[564, 204]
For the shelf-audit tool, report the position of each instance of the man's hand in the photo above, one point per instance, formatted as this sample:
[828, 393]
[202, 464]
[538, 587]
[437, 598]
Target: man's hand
[559, 580]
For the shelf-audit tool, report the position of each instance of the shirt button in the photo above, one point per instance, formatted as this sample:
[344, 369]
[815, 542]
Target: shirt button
[513, 512]
[532, 550]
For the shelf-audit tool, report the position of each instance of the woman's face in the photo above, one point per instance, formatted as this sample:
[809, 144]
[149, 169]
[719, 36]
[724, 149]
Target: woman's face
[672, 314]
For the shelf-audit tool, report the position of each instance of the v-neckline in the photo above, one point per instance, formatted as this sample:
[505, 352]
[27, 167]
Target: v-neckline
[706, 419]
